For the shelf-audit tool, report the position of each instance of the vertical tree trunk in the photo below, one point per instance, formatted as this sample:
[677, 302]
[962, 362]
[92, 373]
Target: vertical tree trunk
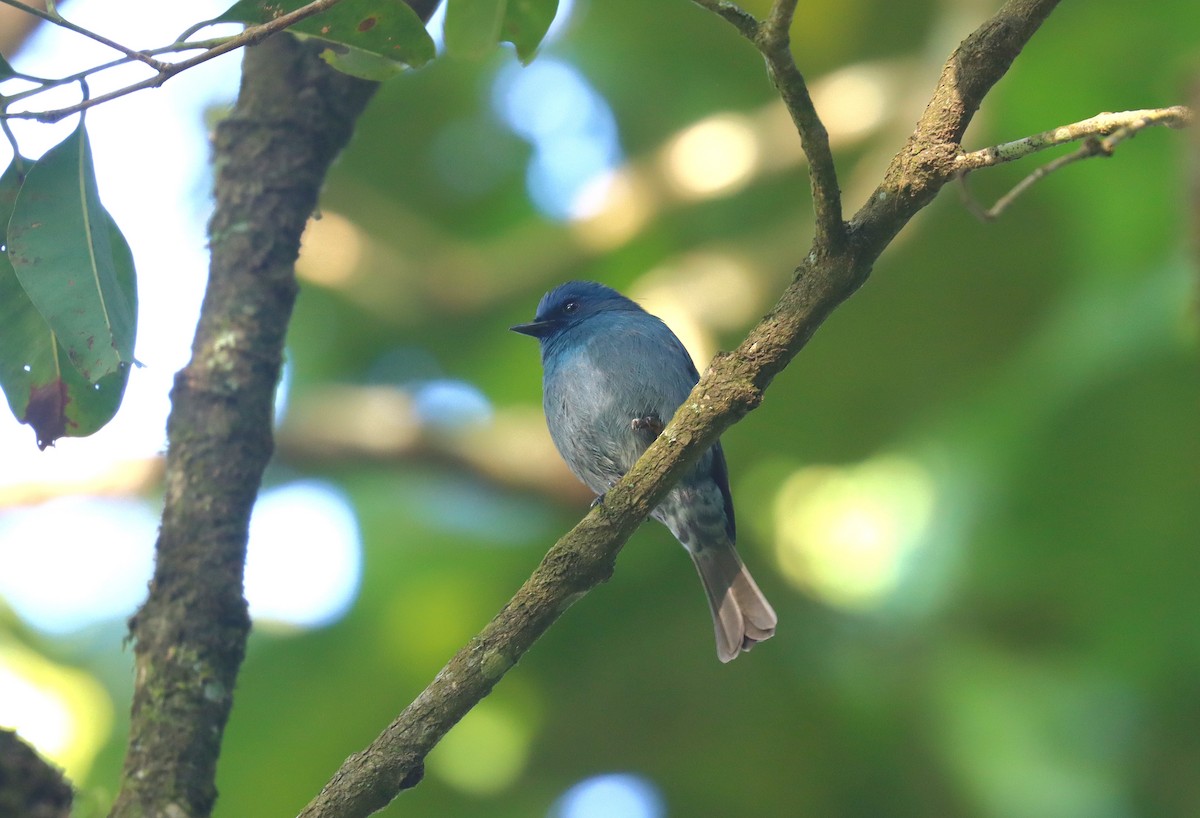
[293, 115]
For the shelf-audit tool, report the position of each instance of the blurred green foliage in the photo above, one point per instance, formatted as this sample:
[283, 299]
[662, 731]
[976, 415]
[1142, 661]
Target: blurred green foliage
[1037, 654]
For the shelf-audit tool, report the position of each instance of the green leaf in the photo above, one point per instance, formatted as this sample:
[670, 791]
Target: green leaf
[526, 23]
[356, 62]
[473, 27]
[371, 39]
[72, 263]
[42, 387]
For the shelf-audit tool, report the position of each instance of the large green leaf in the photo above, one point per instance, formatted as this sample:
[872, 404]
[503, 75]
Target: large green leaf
[473, 27]
[42, 387]
[61, 246]
[371, 39]
[526, 23]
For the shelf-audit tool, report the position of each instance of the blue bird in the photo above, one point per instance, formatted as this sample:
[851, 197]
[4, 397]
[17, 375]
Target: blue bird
[613, 375]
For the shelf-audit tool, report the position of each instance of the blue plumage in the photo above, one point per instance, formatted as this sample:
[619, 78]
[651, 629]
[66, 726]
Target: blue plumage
[613, 375]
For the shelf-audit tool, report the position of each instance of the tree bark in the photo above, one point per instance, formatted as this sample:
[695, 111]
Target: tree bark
[29, 786]
[293, 115]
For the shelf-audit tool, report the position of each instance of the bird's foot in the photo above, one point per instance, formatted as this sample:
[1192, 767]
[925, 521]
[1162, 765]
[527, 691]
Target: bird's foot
[650, 425]
[599, 501]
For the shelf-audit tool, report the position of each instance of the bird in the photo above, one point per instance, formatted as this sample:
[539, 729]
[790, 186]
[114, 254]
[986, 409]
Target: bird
[612, 377]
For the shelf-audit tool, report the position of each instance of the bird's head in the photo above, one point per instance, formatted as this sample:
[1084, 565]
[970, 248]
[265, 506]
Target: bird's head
[570, 304]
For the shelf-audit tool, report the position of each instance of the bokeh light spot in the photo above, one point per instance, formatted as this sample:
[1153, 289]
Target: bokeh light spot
[450, 405]
[615, 795]
[570, 126]
[64, 713]
[485, 752]
[845, 534]
[304, 557]
[853, 101]
[717, 155]
[76, 561]
[611, 208]
[331, 250]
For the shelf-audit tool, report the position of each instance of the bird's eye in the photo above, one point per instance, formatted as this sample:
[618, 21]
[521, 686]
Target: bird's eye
[571, 306]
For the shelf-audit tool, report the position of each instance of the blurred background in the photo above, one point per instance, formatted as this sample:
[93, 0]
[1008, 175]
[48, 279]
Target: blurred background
[973, 498]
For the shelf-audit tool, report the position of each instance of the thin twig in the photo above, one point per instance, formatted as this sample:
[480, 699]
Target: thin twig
[17, 159]
[251, 36]
[1100, 134]
[1100, 125]
[739, 18]
[773, 40]
[52, 16]
[45, 84]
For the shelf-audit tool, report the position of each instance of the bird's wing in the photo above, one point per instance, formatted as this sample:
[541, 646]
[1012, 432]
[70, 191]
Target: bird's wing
[657, 363]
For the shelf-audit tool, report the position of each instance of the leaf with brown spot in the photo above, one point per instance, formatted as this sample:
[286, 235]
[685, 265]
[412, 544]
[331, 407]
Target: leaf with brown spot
[42, 387]
[371, 39]
[46, 412]
[62, 247]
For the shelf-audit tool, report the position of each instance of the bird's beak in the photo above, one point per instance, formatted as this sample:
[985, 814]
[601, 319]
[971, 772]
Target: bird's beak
[538, 329]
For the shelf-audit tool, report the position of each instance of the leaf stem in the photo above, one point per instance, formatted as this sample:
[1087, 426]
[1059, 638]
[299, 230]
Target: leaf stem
[17, 159]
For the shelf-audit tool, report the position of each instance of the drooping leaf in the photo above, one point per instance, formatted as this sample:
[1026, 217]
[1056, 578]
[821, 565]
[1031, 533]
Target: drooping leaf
[526, 23]
[61, 246]
[473, 27]
[42, 387]
[371, 39]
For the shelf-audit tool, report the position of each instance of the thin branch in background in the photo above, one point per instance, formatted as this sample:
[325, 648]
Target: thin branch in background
[51, 15]
[1100, 134]
[44, 84]
[252, 35]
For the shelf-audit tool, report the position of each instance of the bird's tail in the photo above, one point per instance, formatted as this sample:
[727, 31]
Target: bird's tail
[742, 617]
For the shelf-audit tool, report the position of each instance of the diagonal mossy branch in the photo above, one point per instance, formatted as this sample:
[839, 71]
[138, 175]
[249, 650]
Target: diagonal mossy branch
[731, 387]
